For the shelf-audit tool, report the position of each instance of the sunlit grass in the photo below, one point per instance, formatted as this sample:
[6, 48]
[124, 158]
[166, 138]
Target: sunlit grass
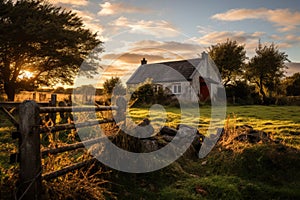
[282, 122]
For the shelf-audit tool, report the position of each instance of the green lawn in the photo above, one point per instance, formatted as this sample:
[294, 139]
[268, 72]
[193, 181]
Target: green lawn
[283, 122]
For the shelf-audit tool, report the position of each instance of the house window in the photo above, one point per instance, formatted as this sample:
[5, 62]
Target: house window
[177, 89]
[157, 87]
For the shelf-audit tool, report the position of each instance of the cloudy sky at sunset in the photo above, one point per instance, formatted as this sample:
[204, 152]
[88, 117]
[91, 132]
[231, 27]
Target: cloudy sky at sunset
[176, 29]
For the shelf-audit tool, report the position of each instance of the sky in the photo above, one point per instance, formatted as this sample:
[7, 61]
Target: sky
[166, 30]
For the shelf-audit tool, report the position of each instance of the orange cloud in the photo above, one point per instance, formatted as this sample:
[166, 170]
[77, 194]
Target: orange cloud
[285, 19]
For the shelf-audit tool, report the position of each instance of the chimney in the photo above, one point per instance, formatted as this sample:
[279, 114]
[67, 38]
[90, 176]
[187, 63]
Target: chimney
[144, 61]
[204, 55]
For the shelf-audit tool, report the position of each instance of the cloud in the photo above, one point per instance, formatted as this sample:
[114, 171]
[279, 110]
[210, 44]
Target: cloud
[159, 29]
[293, 67]
[250, 40]
[221, 36]
[90, 21]
[292, 38]
[70, 2]
[108, 8]
[132, 58]
[170, 50]
[124, 64]
[285, 41]
[284, 19]
[153, 51]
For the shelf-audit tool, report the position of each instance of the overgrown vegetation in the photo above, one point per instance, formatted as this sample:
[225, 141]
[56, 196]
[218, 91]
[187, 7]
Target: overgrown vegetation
[86, 183]
[234, 169]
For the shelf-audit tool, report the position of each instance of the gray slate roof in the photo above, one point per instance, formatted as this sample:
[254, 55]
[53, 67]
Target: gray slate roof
[174, 71]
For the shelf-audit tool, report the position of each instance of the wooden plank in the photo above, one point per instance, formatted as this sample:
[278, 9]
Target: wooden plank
[10, 104]
[76, 109]
[30, 158]
[65, 170]
[62, 127]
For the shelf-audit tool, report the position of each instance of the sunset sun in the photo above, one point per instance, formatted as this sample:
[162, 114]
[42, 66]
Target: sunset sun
[25, 74]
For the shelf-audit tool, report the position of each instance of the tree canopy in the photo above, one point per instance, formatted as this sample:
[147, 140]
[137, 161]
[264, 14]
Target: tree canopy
[266, 69]
[46, 41]
[292, 85]
[114, 85]
[229, 58]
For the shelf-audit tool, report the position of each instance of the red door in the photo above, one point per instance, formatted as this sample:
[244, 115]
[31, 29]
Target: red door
[204, 92]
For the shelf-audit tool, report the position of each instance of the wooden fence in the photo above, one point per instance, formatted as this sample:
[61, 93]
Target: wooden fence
[28, 133]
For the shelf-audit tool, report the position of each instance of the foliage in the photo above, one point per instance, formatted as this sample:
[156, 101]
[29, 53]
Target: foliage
[148, 94]
[84, 184]
[266, 69]
[144, 94]
[47, 41]
[240, 92]
[293, 85]
[114, 85]
[89, 89]
[59, 90]
[229, 57]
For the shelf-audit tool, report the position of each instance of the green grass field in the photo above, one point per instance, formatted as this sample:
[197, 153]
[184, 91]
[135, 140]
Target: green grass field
[254, 171]
[283, 122]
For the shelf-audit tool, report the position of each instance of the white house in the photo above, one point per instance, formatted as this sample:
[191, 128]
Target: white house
[190, 80]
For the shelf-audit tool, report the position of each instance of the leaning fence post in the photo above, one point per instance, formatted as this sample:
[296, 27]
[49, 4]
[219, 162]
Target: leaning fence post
[30, 186]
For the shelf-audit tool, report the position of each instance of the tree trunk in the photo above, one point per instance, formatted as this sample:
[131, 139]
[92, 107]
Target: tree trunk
[262, 92]
[10, 90]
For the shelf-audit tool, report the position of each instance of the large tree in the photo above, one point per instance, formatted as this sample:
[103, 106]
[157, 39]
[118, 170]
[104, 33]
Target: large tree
[229, 58]
[266, 69]
[45, 41]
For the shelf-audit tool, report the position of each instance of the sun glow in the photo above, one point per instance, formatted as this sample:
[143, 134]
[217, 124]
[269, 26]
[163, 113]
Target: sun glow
[24, 74]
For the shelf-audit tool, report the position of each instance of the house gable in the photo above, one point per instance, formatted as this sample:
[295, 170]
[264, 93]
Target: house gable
[181, 77]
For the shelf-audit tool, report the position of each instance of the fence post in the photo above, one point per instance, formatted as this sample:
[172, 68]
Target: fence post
[30, 158]
[53, 104]
[121, 103]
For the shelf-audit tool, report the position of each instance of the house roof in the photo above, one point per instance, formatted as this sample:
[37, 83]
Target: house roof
[165, 72]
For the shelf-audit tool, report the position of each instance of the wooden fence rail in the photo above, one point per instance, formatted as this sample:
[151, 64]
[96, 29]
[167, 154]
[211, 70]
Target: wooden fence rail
[76, 109]
[65, 170]
[30, 155]
[71, 146]
[61, 127]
